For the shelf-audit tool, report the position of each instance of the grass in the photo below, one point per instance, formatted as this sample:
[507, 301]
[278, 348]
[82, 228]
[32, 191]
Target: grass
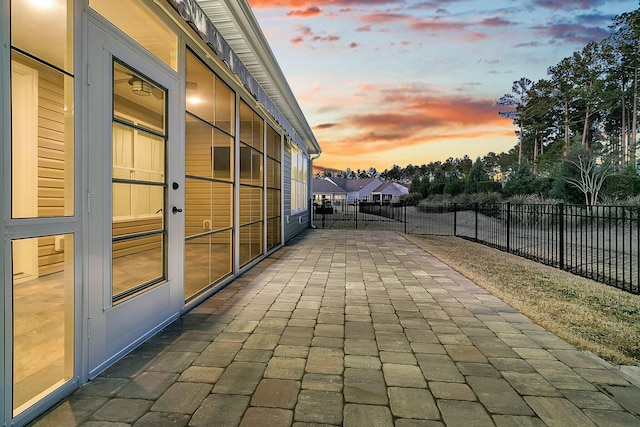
[587, 314]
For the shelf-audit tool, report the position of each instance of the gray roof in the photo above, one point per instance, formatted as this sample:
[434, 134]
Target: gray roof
[350, 185]
[323, 186]
[393, 188]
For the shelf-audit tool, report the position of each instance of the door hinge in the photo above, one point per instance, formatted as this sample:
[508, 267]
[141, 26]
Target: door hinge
[89, 328]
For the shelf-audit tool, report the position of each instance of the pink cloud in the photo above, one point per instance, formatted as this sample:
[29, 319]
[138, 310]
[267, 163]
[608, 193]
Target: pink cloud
[307, 35]
[297, 4]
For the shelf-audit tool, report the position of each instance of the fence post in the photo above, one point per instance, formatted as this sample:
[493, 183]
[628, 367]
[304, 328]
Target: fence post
[477, 207]
[356, 208]
[508, 227]
[561, 234]
[404, 207]
[455, 219]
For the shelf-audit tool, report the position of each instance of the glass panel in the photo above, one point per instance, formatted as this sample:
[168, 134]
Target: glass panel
[208, 97]
[137, 100]
[273, 174]
[197, 265]
[273, 203]
[245, 248]
[225, 107]
[43, 317]
[250, 204]
[139, 23]
[200, 89]
[222, 205]
[137, 200]
[198, 206]
[258, 133]
[221, 254]
[246, 124]
[207, 259]
[245, 164]
[245, 205]
[149, 157]
[222, 155]
[273, 233]
[198, 148]
[273, 143]
[137, 261]
[42, 140]
[44, 29]
[138, 227]
[122, 196]
[256, 168]
[256, 240]
[256, 204]
[122, 150]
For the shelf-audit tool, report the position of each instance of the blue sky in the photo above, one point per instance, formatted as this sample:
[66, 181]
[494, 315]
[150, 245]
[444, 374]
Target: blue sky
[385, 82]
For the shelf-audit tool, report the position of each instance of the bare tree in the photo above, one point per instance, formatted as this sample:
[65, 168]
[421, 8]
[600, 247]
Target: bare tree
[592, 175]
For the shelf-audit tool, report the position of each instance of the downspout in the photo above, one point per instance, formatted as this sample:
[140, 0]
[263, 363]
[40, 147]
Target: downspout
[311, 207]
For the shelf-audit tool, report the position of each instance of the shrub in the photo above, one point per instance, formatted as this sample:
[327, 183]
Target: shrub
[489, 187]
[411, 199]
[619, 187]
[541, 186]
[519, 181]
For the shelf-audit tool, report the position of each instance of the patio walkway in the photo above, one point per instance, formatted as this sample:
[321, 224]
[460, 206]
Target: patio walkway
[358, 329]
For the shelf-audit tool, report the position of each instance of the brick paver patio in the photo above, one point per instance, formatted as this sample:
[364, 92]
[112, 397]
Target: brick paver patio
[357, 329]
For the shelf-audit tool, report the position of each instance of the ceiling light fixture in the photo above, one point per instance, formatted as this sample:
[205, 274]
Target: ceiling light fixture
[140, 87]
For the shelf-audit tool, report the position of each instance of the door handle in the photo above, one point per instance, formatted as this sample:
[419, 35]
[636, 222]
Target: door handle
[176, 210]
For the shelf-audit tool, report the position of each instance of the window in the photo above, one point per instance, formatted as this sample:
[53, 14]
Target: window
[251, 162]
[209, 178]
[138, 184]
[274, 188]
[299, 182]
[41, 262]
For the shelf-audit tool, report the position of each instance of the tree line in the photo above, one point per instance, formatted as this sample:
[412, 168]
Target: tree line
[576, 132]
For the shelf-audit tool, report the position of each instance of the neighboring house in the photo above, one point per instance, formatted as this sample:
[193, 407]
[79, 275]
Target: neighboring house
[351, 190]
[324, 189]
[357, 189]
[389, 192]
[152, 152]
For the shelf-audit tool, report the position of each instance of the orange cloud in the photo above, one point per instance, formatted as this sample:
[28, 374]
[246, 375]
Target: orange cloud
[305, 13]
[412, 117]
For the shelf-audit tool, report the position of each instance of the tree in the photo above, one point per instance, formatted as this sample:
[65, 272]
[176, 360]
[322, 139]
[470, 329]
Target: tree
[589, 67]
[519, 181]
[518, 99]
[626, 40]
[477, 174]
[591, 174]
[563, 92]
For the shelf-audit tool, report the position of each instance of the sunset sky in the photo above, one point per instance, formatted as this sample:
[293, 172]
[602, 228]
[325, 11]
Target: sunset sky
[384, 82]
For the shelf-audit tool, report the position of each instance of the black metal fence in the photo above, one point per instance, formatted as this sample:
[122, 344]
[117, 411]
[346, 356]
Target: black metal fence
[598, 242]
